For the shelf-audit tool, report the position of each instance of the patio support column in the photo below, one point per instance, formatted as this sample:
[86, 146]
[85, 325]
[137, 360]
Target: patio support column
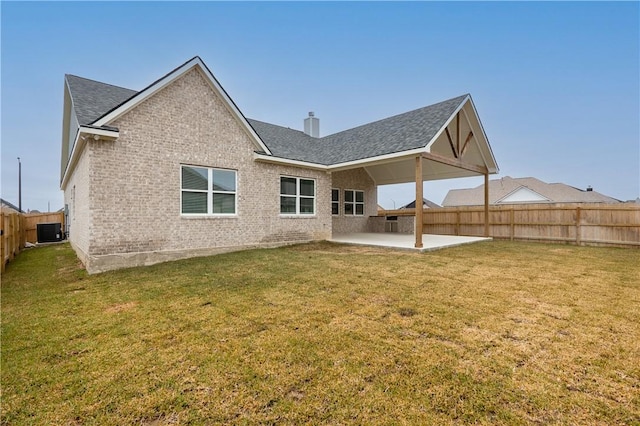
[486, 204]
[419, 197]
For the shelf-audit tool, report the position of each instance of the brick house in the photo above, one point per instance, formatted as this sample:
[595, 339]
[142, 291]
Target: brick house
[176, 170]
[527, 190]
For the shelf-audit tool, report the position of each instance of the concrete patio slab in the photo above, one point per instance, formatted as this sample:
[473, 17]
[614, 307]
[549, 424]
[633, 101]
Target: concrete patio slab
[430, 242]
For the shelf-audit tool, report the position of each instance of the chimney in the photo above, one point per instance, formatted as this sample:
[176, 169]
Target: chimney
[312, 126]
[589, 188]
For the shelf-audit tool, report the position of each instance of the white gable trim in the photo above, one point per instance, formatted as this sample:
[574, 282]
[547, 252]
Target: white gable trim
[171, 77]
[458, 109]
[523, 194]
[484, 135]
[492, 165]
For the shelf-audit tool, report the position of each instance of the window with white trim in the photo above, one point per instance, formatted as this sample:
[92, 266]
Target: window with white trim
[335, 202]
[297, 196]
[207, 191]
[353, 202]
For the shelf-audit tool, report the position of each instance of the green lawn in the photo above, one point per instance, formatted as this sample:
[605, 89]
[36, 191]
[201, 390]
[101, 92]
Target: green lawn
[490, 333]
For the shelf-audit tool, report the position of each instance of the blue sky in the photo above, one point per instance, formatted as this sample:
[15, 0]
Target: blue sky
[556, 85]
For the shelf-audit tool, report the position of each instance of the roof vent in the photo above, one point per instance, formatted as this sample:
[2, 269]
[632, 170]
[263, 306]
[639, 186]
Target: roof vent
[589, 188]
[312, 125]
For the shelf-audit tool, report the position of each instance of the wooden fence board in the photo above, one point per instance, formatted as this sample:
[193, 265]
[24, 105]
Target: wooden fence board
[577, 223]
[19, 228]
[32, 221]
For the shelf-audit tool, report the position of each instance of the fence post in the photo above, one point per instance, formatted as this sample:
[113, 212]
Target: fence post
[12, 237]
[511, 224]
[2, 240]
[23, 231]
[578, 230]
[458, 221]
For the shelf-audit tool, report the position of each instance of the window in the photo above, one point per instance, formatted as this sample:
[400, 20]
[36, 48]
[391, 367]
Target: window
[297, 196]
[353, 203]
[207, 191]
[335, 202]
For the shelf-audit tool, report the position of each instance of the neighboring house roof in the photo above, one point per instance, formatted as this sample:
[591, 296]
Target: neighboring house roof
[425, 203]
[5, 204]
[508, 190]
[398, 138]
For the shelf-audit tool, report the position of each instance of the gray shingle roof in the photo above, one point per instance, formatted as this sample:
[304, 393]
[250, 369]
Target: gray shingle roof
[92, 99]
[288, 143]
[402, 132]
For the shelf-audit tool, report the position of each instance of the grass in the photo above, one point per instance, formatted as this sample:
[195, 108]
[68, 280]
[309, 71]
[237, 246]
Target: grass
[490, 333]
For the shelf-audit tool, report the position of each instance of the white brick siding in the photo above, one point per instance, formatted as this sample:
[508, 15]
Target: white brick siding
[356, 179]
[128, 191]
[76, 196]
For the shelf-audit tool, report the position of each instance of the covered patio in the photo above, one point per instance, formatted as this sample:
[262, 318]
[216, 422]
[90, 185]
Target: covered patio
[447, 141]
[430, 242]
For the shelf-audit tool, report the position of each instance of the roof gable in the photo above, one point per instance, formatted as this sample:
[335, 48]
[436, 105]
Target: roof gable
[135, 98]
[523, 195]
[425, 203]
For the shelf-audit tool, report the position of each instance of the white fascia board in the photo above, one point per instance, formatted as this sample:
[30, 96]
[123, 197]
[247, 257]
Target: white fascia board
[90, 130]
[78, 146]
[491, 169]
[387, 158]
[75, 153]
[496, 169]
[285, 161]
[168, 79]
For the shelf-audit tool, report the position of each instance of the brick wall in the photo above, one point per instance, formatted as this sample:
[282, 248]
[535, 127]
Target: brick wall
[76, 196]
[135, 183]
[357, 179]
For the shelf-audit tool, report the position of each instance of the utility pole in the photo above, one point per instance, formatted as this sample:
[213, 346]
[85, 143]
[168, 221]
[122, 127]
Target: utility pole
[19, 185]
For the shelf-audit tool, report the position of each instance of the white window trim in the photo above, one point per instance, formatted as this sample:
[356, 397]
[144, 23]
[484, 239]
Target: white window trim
[298, 196]
[354, 203]
[210, 191]
[335, 189]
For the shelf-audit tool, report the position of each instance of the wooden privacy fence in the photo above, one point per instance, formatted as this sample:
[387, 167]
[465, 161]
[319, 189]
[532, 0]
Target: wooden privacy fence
[32, 220]
[582, 224]
[17, 229]
[13, 236]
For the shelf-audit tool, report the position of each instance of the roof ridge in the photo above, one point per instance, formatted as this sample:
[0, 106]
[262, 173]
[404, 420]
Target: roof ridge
[398, 115]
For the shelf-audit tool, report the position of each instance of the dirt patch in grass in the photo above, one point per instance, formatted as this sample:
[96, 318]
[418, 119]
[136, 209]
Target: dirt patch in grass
[114, 309]
[493, 333]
